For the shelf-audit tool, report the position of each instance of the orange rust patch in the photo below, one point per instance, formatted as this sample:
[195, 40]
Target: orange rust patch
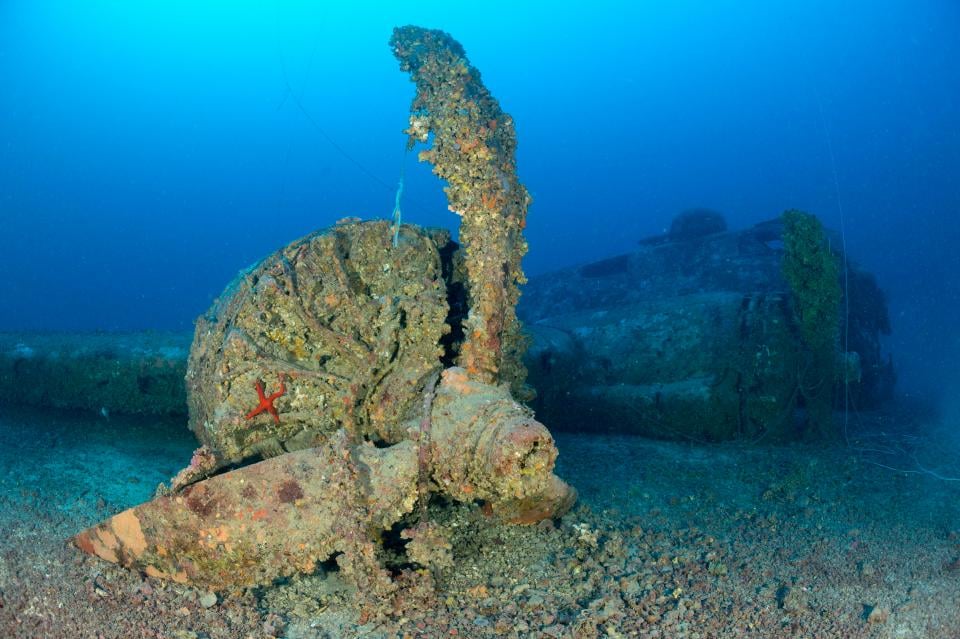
[153, 571]
[104, 551]
[458, 381]
[212, 537]
[489, 201]
[217, 533]
[106, 545]
[531, 515]
[128, 531]
[259, 514]
[107, 537]
[480, 592]
[82, 541]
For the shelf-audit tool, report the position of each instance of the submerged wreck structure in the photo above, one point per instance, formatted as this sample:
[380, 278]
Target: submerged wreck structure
[342, 381]
[96, 372]
[710, 335]
[368, 367]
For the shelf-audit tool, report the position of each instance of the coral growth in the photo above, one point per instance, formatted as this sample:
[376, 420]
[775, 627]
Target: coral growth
[473, 149]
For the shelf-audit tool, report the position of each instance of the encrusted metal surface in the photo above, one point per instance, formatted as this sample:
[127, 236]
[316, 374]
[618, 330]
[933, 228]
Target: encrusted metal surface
[349, 325]
[473, 148]
[284, 515]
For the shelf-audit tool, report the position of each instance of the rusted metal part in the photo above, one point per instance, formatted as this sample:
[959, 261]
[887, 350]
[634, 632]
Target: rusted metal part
[352, 323]
[474, 150]
[552, 500]
[264, 521]
[203, 463]
[349, 323]
[487, 446]
[284, 515]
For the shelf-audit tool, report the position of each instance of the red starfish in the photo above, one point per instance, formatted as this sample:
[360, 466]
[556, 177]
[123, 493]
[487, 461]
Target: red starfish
[266, 402]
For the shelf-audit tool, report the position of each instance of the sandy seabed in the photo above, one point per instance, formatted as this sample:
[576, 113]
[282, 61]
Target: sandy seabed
[669, 540]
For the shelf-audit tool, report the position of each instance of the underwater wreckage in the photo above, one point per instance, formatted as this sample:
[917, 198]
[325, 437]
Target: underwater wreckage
[340, 362]
[363, 372]
[691, 336]
[710, 335]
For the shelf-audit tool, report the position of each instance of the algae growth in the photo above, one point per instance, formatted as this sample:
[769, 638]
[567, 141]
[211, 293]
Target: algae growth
[813, 274]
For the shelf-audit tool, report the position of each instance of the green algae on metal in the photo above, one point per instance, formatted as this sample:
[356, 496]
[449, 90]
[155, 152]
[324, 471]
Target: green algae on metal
[813, 273]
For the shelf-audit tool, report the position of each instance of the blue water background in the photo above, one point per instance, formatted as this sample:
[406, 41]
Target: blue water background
[149, 150]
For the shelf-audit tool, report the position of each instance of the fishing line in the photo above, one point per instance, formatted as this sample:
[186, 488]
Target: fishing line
[298, 102]
[397, 190]
[396, 202]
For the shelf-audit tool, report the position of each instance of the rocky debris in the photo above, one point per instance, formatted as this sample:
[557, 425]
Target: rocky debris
[877, 614]
[661, 513]
[429, 546]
